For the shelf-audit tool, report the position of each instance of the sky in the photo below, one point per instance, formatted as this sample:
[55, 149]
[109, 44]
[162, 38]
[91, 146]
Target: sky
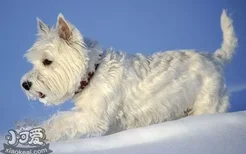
[134, 26]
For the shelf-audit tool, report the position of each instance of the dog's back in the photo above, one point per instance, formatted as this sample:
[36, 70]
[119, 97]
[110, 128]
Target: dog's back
[172, 84]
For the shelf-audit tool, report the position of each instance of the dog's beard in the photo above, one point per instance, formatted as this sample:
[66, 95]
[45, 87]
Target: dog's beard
[47, 99]
[34, 95]
[48, 94]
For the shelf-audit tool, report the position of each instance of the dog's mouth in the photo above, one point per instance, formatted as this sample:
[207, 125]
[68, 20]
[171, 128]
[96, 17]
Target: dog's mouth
[41, 95]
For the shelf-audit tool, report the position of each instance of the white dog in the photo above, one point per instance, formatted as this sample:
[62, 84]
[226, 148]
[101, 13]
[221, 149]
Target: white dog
[115, 91]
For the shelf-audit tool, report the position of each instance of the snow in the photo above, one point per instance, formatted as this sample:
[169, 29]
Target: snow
[208, 134]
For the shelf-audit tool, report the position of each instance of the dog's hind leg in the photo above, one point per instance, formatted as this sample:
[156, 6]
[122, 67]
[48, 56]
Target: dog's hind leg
[212, 98]
[224, 104]
[210, 105]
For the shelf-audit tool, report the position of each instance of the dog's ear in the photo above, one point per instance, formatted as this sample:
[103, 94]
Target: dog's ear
[42, 27]
[64, 30]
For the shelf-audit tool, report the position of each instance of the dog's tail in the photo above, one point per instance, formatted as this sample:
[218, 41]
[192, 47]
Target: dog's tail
[229, 43]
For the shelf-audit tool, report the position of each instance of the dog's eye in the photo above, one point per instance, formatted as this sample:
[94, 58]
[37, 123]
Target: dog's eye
[47, 62]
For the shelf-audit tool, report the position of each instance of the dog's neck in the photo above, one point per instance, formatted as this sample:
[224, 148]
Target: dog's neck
[84, 83]
[95, 55]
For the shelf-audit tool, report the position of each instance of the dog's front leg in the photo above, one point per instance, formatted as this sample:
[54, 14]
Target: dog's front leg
[96, 107]
[74, 124]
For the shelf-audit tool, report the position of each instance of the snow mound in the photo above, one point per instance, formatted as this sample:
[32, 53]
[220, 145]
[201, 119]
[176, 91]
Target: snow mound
[213, 134]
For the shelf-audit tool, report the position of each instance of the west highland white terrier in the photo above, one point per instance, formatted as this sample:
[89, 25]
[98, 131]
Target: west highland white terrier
[113, 90]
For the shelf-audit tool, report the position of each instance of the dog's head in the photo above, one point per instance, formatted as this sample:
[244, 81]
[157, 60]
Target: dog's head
[60, 61]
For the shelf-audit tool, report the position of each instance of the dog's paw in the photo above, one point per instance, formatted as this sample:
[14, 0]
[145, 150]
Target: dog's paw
[52, 135]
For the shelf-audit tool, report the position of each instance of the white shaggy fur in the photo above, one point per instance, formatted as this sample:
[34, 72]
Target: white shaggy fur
[126, 91]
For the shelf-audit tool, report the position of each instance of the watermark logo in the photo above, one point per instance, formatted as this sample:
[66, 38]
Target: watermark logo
[29, 141]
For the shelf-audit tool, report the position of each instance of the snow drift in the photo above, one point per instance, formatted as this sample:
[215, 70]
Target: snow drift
[213, 134]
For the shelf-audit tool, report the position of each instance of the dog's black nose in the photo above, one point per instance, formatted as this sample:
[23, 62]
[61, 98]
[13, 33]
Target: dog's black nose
[27, 85]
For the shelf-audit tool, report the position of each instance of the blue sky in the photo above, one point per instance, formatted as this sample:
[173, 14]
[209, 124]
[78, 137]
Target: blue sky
[133, 26]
